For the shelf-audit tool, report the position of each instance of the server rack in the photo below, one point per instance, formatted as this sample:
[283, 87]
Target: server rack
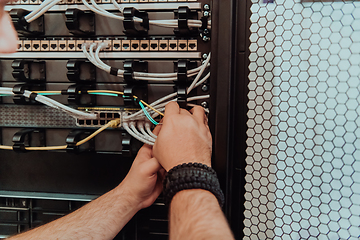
[33, 196]
[284, 117]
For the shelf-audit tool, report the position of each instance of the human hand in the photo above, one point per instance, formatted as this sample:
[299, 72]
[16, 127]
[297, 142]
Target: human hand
[143, 183]
[8, 35]
[184, 137]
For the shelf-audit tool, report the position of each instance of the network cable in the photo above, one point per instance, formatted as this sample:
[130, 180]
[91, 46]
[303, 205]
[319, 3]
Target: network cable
[169, 23]
[51, 103]
[95, 59]
[128, 120]
[113, 123]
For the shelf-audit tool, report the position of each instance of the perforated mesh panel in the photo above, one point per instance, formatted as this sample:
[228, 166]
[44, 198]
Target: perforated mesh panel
[303, 164]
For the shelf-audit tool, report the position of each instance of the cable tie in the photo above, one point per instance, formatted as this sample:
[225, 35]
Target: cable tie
[114, 71]
[33, 96]
[18, 90]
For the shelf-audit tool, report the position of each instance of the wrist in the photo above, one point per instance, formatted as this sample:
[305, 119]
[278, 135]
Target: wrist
[191, 176]
[127, 195]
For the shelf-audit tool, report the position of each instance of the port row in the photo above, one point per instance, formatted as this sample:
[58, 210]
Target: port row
[103, 118]
[67, 2]
[115, 45]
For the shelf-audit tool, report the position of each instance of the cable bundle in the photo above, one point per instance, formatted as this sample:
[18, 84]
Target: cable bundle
[51, 103]
[92, 53]
[169, 23]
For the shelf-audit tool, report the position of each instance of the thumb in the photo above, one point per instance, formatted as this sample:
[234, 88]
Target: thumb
[152, 166]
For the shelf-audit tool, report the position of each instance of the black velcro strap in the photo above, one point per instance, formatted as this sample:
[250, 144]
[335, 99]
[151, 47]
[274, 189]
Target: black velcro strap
[33, 96]
[18, 89]
[114, 71]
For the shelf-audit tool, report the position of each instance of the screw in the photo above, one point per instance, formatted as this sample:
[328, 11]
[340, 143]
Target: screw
[204, 88]
[206, 14]
[205, 56]
[206, 31]
[204, 104]
[205, 38]
[206, 7]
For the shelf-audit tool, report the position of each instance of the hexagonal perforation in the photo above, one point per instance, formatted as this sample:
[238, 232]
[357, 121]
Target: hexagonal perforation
[303, 163]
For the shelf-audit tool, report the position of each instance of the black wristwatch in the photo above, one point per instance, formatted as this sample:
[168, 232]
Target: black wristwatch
[191, 176]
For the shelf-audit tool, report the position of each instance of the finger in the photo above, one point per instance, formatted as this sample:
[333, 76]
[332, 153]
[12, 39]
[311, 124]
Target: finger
[199, 114]
[157, 129]
[157, 190]
[159, 186]
[184, 112]
[145, 152]
[172, 108]
[152, 166]
[162, 173]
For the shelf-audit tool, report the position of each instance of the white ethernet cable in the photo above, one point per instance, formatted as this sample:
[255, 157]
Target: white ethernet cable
[132, 126]
[207, 61]
[194, 84]
[160, 107]
[139, 75]
[127, 128]
[171, 23]
[148, 136]
[114, 2]
[148, 129]
[140, 125]
[43, 7]
[52, 103]
[95, 59]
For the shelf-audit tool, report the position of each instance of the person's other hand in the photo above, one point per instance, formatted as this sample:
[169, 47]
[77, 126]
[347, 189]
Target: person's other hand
[143, 183]
[184, 137]
[8, 35]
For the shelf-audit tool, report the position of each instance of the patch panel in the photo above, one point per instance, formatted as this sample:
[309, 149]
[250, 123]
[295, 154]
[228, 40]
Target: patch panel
[110, 55]
[104, 117]
[114, 45]
[150, 5]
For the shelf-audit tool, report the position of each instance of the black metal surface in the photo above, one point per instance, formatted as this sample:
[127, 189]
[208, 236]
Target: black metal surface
[229, 100]
[60, 172]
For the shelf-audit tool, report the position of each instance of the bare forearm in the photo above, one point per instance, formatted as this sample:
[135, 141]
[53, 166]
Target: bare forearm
[196, 214]
[102, 218]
